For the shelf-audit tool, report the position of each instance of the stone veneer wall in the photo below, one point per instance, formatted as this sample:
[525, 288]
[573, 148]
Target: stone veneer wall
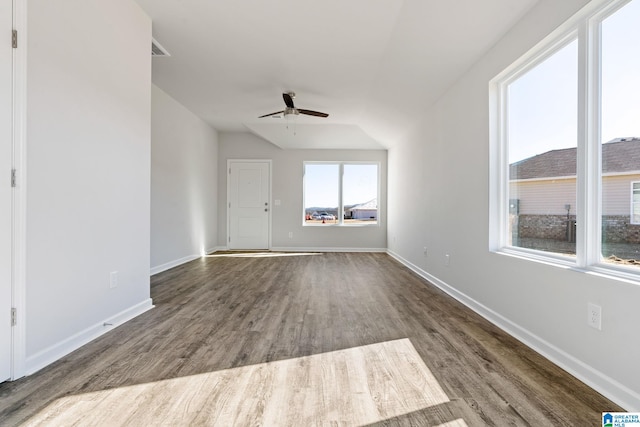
[553, 227]
[616, 229]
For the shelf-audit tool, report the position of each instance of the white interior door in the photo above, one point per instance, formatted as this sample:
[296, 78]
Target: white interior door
[6, 162]
[249, 204]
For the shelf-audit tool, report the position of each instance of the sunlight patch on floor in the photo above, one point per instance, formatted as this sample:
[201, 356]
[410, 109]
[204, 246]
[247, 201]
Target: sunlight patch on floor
[356, 386]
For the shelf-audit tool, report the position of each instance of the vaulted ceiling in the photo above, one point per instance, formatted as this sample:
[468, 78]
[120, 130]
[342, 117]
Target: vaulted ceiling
[374, 65]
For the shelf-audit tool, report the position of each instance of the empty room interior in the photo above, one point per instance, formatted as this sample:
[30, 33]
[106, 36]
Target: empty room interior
[295, 213]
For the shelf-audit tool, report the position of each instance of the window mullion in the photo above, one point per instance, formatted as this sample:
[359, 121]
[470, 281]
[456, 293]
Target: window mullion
[340, 201]
[592, 191]
[503, 161]
[588, 161]
[583, 218]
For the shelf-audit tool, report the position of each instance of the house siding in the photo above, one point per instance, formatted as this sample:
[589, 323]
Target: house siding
[616, 194]
[544, 197]
[549, 196]
[364, 213]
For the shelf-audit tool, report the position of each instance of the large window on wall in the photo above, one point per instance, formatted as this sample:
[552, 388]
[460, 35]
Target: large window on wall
[566, 145]
[340, 193]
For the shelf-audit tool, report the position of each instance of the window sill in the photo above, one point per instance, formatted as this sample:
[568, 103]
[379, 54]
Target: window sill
[341, 225]
[538, 256]
[607, 271]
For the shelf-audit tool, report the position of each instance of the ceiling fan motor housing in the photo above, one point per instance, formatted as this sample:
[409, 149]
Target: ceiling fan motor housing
[290, 111]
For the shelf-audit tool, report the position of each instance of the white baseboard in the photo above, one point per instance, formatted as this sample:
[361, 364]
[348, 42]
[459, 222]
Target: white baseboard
[608, 387]
[309, 249]
[51, 354]
[315, 249]
[167, 265]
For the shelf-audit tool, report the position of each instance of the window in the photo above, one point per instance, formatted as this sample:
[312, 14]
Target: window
[542, 107]
[635, 203]
[566, 145]
[620, 127]
[340, 193]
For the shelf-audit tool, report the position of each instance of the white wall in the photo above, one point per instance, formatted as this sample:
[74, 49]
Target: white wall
[286, 178]
[184, 183]
[88, 165]
[445, 163]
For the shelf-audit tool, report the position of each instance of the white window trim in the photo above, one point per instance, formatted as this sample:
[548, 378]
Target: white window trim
[341, 164]
[631, 221]
[585, 26]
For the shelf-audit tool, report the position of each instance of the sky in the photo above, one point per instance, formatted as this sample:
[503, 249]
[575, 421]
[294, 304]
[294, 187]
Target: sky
[321, 184]
[543, 104]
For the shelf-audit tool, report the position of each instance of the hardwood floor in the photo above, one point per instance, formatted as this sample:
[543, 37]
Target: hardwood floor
[309, 339]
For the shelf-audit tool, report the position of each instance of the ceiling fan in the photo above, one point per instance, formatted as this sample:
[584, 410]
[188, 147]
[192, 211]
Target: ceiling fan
[292, 110]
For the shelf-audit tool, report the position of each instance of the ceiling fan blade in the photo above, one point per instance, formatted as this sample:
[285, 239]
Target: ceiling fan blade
[288, 100]
[272, 114]
[312, 113]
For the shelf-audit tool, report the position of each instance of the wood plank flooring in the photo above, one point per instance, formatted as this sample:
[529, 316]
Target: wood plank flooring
[295, 340]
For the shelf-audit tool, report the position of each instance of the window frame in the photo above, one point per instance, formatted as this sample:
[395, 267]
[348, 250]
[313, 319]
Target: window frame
[341, 164]
[631, 221]
[585, 26]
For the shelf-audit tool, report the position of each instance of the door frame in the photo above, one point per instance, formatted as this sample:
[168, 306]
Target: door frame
[270, 216]
[19, 205]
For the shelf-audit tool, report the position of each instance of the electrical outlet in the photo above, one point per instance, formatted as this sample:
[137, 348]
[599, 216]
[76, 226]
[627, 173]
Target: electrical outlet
[424, 251]
[447, 259]
[291, 234]
[113, 279]
[594, 318]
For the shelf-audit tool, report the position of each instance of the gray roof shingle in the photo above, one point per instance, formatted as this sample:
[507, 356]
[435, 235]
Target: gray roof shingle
[619, 155]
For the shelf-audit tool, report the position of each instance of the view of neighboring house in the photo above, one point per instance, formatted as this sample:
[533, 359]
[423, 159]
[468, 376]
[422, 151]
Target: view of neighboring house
[543, 193]
[368, 210]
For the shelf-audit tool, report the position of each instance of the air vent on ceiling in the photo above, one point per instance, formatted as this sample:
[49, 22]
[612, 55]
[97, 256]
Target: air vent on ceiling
[157, 49]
